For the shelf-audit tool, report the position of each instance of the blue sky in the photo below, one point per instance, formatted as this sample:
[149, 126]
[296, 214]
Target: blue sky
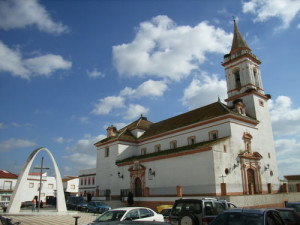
[69, 69]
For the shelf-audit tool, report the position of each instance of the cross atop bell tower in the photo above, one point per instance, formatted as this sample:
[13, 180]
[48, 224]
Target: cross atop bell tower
[242, 69]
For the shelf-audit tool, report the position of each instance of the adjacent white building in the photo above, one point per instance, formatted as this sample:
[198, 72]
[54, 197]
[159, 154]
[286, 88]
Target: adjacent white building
[48, 190]
[8, 181]
[87, 182]
[218, 149]
[71, 185]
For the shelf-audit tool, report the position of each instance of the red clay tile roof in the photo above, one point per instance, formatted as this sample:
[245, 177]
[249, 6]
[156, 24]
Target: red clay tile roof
[7, 174]
[205, 113]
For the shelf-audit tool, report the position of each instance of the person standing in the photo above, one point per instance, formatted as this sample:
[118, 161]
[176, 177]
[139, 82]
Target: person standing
[33, 204]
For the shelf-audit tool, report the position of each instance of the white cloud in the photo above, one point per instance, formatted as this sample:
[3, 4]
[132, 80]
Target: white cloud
[107, 104]
[134, 111]
[15, 143]
[203, 91]
[285, 119]
[94, 73]
[286, 10]
[15, 124]
[2, 125]
[12, 62]
[46, 64]
[288, 156]
[148, 88]
[19, 14]
[86, 144]
[163, 49]
[61, 140]
[81, 161]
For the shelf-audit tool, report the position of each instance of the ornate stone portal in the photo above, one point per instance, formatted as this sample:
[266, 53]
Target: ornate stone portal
[15, 203]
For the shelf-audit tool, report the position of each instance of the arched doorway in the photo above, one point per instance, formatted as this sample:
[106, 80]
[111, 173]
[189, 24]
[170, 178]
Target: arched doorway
[137, 179]
[251, 181]
[138, 191]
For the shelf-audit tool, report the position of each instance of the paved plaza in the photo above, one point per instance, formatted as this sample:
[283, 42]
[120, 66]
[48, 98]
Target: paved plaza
[50, 218]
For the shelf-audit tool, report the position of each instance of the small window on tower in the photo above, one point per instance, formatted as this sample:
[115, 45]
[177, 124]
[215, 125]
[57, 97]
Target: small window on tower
[213, 135]
[157, 148]
[261, 102]
[143, 151]
[173, 144]
[255, 77]
[237, 79]
[191, 140]
[106, 152]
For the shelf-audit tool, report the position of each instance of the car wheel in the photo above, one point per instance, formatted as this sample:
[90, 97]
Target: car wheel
[188, 220]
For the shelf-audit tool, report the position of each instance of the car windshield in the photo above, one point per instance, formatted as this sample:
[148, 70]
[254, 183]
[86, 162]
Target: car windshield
[295, 206]
[114, 215]
[165, 212]
[79, 200]
[187, 207]
[99, 203]
[287, 215]
[245, 218]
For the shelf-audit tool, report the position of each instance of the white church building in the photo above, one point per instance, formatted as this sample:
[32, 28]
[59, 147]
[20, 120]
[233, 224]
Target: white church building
[216, 150]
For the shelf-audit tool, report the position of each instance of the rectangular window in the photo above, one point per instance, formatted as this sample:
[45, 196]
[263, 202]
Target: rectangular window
[106, 152]
[93, 180]
[7, 185]
[143, 151]
[31, 185]
[191, 140]
[173, 144]
[261, 102]
[72, 186]
[157, 148]
[89, 180]
[213, 135]
[50, 186]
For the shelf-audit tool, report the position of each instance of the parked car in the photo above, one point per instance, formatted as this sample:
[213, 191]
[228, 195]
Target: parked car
[76, 203]
[26, 204]
[290, 216]
[161, 207]
[244, 216]
[166, 213]
[195, 211]
[97, 207]
[294, 205]
[128, 214]
[228, 205]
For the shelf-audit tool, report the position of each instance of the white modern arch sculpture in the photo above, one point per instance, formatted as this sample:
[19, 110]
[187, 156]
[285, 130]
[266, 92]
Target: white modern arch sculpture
[15, 203]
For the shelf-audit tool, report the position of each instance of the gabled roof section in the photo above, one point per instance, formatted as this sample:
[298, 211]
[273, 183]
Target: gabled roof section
[7, 175]
[202, 114]
[125, 134]
[238, 41]
[197, 115]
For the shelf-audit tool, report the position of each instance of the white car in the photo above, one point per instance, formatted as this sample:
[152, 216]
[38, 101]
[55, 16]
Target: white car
[129, 213]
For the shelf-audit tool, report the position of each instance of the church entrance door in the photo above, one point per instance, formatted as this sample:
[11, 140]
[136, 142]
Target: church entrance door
[138, 187]
[251, 182]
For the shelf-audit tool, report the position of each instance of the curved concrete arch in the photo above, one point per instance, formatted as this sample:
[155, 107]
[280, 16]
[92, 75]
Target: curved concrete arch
[15, 203]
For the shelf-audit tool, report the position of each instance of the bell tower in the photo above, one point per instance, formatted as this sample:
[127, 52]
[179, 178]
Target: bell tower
[243, 75]
[246, 96]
